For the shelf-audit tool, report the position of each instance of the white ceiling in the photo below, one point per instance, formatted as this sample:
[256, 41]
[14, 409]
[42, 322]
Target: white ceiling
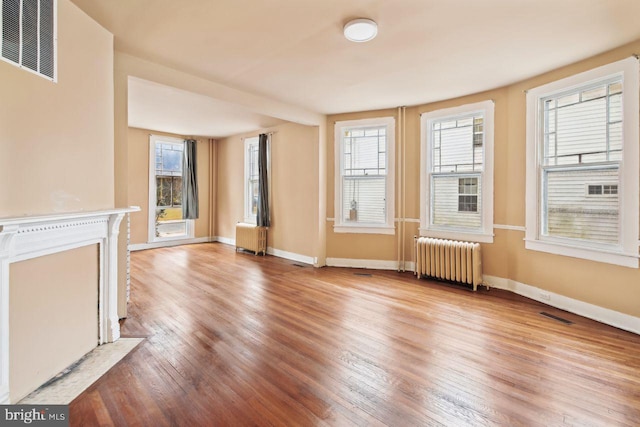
[293, 51]
[163, 108]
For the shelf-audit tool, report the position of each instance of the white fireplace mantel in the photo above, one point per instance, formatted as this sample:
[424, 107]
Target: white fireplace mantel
[28, 237]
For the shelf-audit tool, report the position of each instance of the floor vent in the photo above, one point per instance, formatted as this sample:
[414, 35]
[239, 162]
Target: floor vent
[559, 319]
[298, 265]
[363, 274]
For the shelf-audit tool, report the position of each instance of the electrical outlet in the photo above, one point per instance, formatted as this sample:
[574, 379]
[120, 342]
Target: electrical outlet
[545, 296]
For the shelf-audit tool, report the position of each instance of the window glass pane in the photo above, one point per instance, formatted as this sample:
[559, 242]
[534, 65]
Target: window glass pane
[584, 128]
[568, 100]
[615, 108]
[448, 124]
[163, 191]
[169, 159]
[176, 191]
[550, 104]
[455, 202]
[171, 228]
[365, 152]
[595, 189]
[253, 196]
[615, 88]
[364, 199]
[458, 146]
[465, 122]
[598, 92]
[574, 211]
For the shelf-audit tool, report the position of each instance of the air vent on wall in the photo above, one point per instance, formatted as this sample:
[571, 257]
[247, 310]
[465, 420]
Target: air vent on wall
[29, 35]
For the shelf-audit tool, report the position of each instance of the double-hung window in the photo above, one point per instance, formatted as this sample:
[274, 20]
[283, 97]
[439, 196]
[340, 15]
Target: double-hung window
[457, 173]
[166, 156]
[251, 179]
[364, 176]
[582, 165]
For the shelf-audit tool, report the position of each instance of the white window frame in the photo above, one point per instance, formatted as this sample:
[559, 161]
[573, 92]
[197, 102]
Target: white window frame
[485, 234]
[54, 53]
[190, 226]
[626, 253]
[249, 217]
[340, 224]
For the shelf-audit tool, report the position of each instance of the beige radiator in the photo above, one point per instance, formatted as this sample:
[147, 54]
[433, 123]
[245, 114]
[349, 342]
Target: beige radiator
[251, 237]
[449, 260]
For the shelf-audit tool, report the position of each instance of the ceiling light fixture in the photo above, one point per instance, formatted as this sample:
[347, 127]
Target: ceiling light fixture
[360, 30]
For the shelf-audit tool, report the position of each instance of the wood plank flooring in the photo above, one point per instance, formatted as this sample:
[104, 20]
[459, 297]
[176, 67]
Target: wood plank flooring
[233, 339]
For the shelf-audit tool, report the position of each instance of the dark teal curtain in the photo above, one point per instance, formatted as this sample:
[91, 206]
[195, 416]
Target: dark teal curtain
[263, 219]
[189, 181]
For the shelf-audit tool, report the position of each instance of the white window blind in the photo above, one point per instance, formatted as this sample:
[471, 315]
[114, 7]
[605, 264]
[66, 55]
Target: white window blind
[582, 132]
[28, 35]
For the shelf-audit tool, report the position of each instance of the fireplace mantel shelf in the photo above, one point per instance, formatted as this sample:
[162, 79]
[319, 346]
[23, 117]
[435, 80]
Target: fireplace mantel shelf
[35, 219]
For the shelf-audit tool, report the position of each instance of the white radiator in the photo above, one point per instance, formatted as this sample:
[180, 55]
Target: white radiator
[449, 260]
[251, 237]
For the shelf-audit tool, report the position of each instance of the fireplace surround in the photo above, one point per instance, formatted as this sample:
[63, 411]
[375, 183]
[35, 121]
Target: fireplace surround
[28, 237]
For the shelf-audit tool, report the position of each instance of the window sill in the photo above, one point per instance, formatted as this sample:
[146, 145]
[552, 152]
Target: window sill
[457, 235]
[601, 255]
[363, 229]
[170, 238]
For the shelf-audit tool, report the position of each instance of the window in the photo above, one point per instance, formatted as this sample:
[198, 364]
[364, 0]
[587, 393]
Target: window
[468, 195]
[457, 173]
[364, 176]
[251, 179]
[165, 190]
[29, 35]
[582, 147]
[602, 190]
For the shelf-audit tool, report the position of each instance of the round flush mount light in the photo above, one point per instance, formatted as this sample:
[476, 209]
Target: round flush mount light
[360, 30]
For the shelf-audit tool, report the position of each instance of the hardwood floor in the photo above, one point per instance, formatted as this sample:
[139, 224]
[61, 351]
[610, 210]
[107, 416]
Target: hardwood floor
[233, 339]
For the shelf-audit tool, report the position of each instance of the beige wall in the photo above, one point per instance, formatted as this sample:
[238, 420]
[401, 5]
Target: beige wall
[605, 285]
[53, 316]
[56, 152]
[138, 183]
[56, 139]
[597, 283]
[294, 187]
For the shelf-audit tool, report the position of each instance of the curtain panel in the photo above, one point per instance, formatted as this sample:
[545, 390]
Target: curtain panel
[263, 217]
[190, 181]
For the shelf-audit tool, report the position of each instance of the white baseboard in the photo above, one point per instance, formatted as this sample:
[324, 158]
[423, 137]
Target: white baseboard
[225, 240]
[591, 311]
[373, 264]
[167, 243]
[272, 251]
[292, 256]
